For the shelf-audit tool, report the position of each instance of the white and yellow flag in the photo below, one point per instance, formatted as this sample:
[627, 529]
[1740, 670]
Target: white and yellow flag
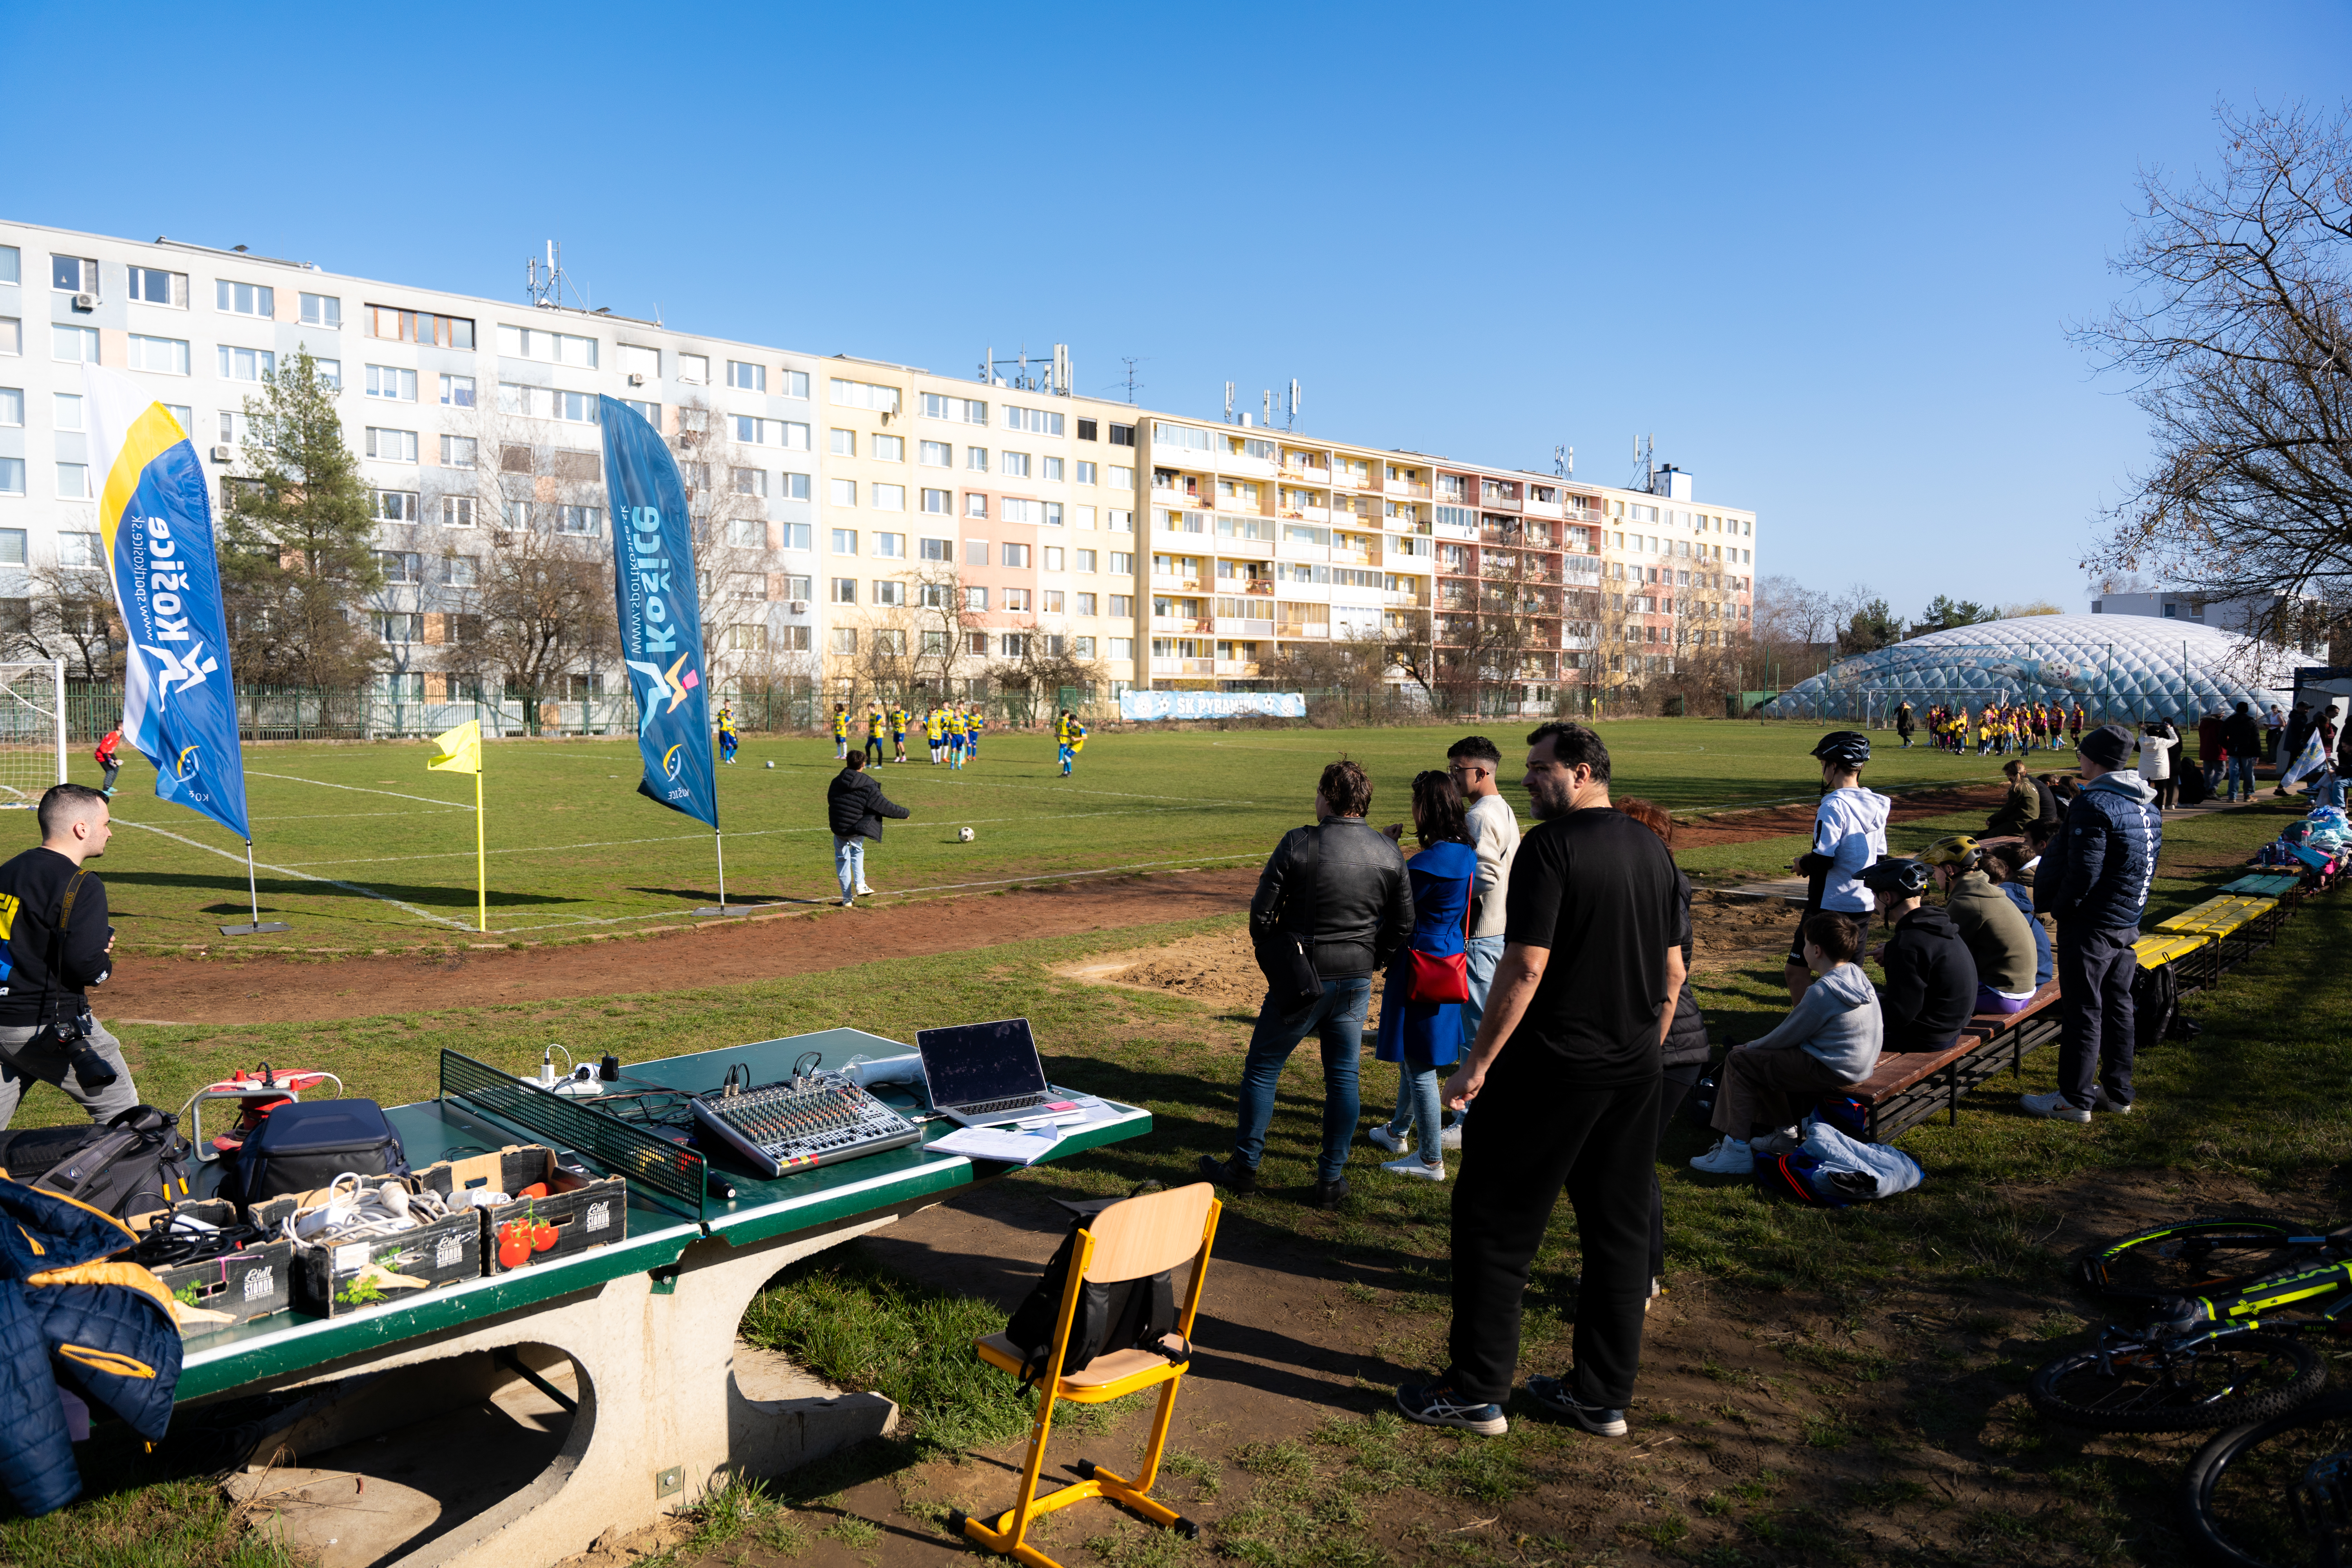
[461, 749]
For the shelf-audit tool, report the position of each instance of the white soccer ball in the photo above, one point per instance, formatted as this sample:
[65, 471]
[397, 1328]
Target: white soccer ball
[772, 764]
[964, 834]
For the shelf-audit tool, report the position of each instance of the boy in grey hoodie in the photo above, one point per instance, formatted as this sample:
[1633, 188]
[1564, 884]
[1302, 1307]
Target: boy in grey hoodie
[1829, 1039]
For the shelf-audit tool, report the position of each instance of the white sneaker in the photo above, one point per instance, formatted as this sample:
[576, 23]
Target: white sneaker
[2053, 1106]
[1388, 1140]
[1729, 1158]
[2099, 1101]
[863, 891]
[1451, 1137]
[1414, 1165]
[848, 903]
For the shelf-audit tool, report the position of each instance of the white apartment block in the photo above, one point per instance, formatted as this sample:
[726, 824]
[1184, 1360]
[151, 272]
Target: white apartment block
[847, 501]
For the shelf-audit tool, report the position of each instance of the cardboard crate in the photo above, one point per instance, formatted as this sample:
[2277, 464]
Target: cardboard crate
[333, 1279]
[585, 1210]
[256, 1281]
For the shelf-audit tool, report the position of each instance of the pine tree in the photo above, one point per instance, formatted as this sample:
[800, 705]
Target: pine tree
[297, 541]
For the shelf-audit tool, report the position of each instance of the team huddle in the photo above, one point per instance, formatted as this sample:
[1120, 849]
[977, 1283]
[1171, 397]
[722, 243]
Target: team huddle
[953, 730]
[1997, 728]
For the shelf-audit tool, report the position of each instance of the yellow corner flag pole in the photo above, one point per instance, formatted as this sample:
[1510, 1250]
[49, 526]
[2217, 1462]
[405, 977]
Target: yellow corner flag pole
[460, 752]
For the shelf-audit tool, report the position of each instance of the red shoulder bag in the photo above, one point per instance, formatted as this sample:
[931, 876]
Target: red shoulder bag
[1444, 977]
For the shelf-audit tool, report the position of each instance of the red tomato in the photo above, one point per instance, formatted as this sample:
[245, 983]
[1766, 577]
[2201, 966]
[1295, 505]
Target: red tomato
[513, 1254]
[542, 1237]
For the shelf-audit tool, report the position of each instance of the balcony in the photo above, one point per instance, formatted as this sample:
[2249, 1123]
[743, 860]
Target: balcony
[1582, 514]
[1297, 630]
[1238, 586]
[1181, 625]
[1498, 500]
[1237, 626]
[1246, 668]
[1162, 581]
[1406, 488]
[1307, 514]
[1183, 667]
[1405, 600]
[1353, 557]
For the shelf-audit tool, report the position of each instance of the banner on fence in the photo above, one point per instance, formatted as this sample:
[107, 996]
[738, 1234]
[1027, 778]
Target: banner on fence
[1212, 704]
[156, 528]
[661, 615]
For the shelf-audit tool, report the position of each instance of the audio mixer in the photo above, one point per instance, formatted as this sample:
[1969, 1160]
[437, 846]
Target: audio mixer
[809, 1119]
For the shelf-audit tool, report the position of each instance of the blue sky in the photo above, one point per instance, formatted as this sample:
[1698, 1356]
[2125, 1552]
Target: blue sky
[1828, 256]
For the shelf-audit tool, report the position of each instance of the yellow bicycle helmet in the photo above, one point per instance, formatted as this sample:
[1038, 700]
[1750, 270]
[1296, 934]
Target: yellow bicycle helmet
[1958, 851]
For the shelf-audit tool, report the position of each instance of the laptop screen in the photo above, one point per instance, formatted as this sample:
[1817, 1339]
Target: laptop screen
[971, 1063]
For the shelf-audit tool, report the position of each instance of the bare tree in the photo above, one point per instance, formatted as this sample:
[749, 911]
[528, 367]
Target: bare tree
[942, 620]
[543, 606]
[2236, 336]
[1792, 630]
[72, 618]
[727, 511]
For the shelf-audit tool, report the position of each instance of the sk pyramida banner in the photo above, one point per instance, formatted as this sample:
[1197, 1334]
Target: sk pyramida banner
[661, 617]
[156, 528]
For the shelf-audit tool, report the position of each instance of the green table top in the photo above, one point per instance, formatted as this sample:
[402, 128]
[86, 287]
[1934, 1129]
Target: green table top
[658, 1235]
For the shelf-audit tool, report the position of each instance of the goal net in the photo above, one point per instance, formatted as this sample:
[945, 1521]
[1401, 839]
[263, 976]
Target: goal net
[32, 731]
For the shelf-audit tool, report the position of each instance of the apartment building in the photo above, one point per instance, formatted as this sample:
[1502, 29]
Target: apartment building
[869, 524]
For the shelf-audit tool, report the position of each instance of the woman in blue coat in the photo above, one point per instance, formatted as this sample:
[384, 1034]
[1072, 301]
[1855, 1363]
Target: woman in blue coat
[1423, 1037]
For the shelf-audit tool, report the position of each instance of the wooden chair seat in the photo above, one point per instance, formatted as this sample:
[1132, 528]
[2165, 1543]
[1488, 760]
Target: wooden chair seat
[1115, 1367]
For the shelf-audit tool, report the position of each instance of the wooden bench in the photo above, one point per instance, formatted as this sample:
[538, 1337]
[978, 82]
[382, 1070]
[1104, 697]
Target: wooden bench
[2266, 885]
[1909, 1087]
[2240, 926]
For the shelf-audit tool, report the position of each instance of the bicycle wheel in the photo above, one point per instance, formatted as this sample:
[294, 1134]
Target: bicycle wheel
[2237, 1493]
[2213, 1381]
[2195, 1258]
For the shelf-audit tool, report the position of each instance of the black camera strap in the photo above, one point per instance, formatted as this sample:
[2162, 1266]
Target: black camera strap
[55, 955]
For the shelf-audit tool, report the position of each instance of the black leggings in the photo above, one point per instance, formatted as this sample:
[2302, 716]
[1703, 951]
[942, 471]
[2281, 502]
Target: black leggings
[1679, 1082]
[2168, 793]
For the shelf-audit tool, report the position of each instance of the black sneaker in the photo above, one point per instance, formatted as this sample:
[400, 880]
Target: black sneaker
[1330, 1194]
[1558, 1396]
[1230, 1174]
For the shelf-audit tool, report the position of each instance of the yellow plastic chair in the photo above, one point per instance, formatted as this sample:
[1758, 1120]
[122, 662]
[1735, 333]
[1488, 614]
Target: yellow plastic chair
[1128, 1240]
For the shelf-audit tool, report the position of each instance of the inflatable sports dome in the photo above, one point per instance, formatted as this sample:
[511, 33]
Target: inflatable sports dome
[2116, 666]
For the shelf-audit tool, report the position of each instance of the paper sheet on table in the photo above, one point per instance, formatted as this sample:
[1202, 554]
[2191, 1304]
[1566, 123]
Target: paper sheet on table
[1021, 1147]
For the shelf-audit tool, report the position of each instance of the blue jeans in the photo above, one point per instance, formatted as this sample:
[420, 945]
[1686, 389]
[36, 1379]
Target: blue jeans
[1418, 1108]
[849, 862]
[2241, 774]
[2327, 788]
[1337, 1019]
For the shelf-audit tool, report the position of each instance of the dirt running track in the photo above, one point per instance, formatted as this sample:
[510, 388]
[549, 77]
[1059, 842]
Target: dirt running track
[151, 988]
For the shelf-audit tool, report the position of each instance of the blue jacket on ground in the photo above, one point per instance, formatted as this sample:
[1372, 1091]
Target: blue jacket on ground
[1431, 1031]
[2023, 899]
[2096, 873]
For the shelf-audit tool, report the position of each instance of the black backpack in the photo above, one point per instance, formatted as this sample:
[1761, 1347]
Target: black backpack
[1125, 1314]
[301, 1146]
[134, 1168]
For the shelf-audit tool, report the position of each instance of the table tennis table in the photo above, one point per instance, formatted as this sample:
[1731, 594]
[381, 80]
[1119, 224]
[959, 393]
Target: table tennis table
[643, 1329]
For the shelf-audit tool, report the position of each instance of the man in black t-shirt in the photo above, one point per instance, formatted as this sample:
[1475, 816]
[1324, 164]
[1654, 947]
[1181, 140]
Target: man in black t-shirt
[1565, 1076]
[44, 972]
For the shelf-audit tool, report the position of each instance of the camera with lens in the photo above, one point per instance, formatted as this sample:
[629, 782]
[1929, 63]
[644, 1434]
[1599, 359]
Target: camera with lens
[71, 1036]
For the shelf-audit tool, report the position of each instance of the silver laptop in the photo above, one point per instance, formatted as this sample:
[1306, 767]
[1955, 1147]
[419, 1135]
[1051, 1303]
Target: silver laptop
[988, 1075]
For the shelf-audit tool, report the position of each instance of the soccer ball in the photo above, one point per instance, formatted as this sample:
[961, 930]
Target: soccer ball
[963, 834]
[772, 764]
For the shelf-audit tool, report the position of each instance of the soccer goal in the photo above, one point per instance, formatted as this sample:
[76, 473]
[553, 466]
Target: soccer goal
[32, 731]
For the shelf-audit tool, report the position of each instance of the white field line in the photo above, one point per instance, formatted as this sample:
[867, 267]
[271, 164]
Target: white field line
[346, 816]
[305, 875]
[356, 789]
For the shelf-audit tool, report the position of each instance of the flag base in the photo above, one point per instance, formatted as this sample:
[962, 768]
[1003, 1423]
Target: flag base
[259, 928]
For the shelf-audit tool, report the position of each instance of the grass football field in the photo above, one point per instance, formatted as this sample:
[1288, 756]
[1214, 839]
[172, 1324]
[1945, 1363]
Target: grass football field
[359, 847]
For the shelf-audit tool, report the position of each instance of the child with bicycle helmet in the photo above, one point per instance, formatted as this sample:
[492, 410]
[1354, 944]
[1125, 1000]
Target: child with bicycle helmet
[1998, 937]
[1849, 835]
[1931, 979]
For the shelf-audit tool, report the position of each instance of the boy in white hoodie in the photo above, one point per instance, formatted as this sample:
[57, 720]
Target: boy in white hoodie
[1848, 838]
[1829, 1039]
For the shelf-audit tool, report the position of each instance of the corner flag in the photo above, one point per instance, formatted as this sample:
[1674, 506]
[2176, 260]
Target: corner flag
[461, 753]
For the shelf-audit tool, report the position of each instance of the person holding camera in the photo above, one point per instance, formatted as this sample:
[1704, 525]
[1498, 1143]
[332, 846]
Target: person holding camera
[55, 945]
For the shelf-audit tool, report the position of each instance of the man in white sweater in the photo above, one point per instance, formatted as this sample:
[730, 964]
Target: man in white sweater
[1495, 834]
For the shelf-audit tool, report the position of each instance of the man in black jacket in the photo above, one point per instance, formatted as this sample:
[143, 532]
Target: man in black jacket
[1931, 979]
[856, 804]
[1339, 888]
[44, 972]
[2241, 741]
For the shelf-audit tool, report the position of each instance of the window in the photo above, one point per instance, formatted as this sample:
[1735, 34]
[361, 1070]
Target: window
[329, 373]
[792, 383]
[841, 640]
[747, 533]
[457, 512]
[1122, 435]
[246, 364]
[232, 428]
[12, 547]
[694, 369]
[844, 591]
[889, 448]
[749, 378]
[1052, 470]
[73, 273]
[748, 481]
[400, 626]
[1086, 561]
[244, 299]
[1122, 606]
[648, 412]
[975, 553]
[1052, 558]
[935, 549]
[1052, 601]
[456, 391]
[963, 410]
[975, 599]
[936, 454]
[419, 327]
[844, 542]
[1121, 647]
[890, 546]
[843, 443]
[1085, 472]
[553, 348]
[793, 487]
[974, 504]
[796, 586]
[155, 285]
[12, 476]
[12, 262]
[841, 492]
[391, 382]
[1016, 556]
[65, 410]
[889, 593]
[1019, 511]
[588, 521]
[934, 643]
[1121, 479]
[400, 565]
[12, 335]
[459, 451]
[12, 405]
[392, 445]
[1017, 599]
[547, 402]
[887, 497]
[1016, 466]
[1036, 421]
[1122, 564]
[978, 643]
[77, 550]
[1084, 516]
[322, 311]
[789, 434]
[865, 395]
[396, 506]
[76, 345]
[1017, 645]
[975, 460]
[939, 502]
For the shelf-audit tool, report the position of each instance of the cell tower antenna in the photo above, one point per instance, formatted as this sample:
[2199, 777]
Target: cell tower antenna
[1229, 402]
[987, 362]
[1269, 408]
[545, 282]
[1645, 461]
[1292, 419]
[1131, 363]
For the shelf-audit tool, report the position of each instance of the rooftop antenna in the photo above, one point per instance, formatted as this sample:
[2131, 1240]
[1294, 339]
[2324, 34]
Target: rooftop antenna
[1021, 376]
[1269, 408]
[1645, 466]
[1130, 360]
[1563, 461]
[1293, 419]
[1229, 402]
[1061, 370]
[545, 282]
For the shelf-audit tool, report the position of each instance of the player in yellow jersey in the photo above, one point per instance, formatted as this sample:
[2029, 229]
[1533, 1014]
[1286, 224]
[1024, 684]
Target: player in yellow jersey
[898, 730]
[728, 739]
[841, 732]
[1069, 734]
[955, 738]
[876, 720]
[935, 730]
[975, 720]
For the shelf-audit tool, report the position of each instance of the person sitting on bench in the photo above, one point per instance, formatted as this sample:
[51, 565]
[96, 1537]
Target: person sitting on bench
[2005, 867]
[1829, 1041]
[2019, 807]
[1931, 981]
[1999, 940]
